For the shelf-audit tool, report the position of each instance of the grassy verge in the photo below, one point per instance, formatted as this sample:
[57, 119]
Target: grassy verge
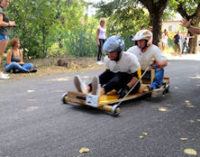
[49, 67]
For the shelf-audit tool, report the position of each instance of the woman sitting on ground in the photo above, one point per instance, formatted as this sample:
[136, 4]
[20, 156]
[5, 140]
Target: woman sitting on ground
[15, 59]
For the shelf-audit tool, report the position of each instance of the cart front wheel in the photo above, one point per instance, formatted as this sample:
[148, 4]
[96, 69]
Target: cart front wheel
[63, 98]
[115, 110]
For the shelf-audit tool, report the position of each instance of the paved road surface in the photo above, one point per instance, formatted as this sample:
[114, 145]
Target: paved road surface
[34, 122]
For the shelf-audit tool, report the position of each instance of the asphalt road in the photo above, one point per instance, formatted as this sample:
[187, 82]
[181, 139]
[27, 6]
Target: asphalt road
[34, 122]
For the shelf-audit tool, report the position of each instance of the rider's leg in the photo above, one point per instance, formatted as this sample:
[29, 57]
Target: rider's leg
[118, 81]
[159, 75]
[102, 79]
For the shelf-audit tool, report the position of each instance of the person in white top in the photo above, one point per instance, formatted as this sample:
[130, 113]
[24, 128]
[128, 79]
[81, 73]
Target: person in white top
[164, 39]
[146, 52]
[101, 38]
[120, 73]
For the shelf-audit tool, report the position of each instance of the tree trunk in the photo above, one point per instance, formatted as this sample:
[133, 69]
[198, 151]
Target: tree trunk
[193, 45]
[195, 21]
[156, 9]
[193, 41]
[156, 22]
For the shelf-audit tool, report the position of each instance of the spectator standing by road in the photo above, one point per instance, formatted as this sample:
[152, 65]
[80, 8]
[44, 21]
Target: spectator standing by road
[177, 43]
[164, 39]
[101, 38]
[5, 25]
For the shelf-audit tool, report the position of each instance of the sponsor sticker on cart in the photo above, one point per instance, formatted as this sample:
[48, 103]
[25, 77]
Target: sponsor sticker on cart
[92, 100]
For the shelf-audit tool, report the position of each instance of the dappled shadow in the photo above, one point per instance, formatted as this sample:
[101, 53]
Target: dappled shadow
[86, 109]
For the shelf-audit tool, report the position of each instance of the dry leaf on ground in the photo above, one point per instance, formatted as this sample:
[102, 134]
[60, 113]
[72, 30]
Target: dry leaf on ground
[192, 121]
[84, 150]
[143, 134]
[190, 151]
[187, 101]
[30, 91]
[183, 139]
[162, 109]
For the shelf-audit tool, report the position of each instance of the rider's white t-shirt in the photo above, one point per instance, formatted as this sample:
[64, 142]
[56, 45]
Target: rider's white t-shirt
[145, 58]
[102, 32]
[128, 63]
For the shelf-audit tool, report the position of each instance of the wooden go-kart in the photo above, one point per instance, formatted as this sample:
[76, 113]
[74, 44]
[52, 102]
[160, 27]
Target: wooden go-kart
[110, 102]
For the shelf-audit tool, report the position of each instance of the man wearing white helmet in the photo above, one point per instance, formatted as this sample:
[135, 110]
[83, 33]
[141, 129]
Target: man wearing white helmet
[120, 73]
[146, 52]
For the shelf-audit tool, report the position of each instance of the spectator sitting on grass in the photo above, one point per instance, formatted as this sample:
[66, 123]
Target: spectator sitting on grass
[15, 59]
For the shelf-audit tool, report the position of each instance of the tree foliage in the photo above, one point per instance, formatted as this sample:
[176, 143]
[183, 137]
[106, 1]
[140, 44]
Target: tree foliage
[119, 9]
[124, 18]
[34, 20]
[43, 25]
[57, 27]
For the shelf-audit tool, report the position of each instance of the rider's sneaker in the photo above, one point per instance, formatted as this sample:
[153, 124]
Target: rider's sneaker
[96, 87]
[4, 76]
[157, 92]
[80, 85]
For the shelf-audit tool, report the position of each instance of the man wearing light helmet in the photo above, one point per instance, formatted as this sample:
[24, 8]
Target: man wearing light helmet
[146, 52]
[120, 73]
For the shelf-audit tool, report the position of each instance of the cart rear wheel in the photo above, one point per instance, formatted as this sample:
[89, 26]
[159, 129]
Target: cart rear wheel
[166, 89]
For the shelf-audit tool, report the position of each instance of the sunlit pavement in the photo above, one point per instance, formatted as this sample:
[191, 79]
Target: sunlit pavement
[183, 56]
[35, 123]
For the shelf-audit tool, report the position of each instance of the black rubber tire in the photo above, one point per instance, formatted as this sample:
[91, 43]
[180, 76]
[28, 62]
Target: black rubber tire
[63, 98]
[114, 112]
[167, 89]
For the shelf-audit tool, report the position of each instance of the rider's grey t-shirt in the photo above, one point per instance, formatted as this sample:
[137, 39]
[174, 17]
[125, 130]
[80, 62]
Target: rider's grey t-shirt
[145, 58]
[4, 30]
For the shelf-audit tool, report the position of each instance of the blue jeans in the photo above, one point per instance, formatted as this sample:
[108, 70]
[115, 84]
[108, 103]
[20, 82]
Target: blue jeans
[3, 37]
[17, 66]
[159, 75]
[187, 48]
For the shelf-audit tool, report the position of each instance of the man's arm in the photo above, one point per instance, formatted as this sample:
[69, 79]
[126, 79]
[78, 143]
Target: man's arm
[124, 91]
[162, 63]
[132, 82]
[192, 29]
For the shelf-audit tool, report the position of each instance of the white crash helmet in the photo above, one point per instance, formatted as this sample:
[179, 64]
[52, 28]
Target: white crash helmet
[144, 34]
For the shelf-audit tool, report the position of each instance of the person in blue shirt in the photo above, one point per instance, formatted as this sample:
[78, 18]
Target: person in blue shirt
[177, 43]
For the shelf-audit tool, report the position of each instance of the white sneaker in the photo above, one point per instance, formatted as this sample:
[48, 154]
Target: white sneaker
[157, 92]
[99, 62]
[80, 85]
[4, 76]
[96, 87]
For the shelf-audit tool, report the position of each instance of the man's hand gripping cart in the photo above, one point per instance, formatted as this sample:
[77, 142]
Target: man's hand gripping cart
[111, 102]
